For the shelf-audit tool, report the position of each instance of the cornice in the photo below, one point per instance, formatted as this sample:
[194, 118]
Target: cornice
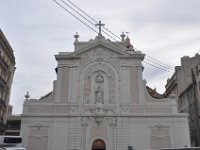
[6, 47]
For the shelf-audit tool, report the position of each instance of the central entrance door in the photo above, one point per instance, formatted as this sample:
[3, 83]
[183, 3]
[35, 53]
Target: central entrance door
[98, 145]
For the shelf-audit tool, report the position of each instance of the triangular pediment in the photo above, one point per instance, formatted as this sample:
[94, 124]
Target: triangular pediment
[116, 48]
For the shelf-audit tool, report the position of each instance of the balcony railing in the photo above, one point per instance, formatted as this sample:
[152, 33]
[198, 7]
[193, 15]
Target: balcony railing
[2, 81]
[3, 62]
[2, 102]
[2, 126]
[10, 127]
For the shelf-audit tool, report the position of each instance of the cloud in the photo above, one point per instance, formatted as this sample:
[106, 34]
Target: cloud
[37, 30]
[168, 12]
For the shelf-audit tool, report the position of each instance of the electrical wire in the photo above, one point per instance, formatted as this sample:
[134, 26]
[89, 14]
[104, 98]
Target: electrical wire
[157, 67]
[95, 21]
[81, 16]
[77, 12]
[74, 16]
[152, 60]
[168, 68]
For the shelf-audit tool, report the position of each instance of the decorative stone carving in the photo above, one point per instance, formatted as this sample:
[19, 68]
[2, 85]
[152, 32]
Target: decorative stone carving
[87, 89]
[84, 121]
[99, 78]
[39, 126]
[113, 121]
[160, 136]
[73, 108]
[99, 112]
[160, 126]
[87, 101]
[111, 101]
[99, 95]
[99, 74]
[124, 108]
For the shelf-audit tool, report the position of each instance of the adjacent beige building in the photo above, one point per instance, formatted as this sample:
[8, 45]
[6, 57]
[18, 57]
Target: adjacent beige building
[13, 125]
[189, 102]
[7, 68]
[182, 77]
[185, 84]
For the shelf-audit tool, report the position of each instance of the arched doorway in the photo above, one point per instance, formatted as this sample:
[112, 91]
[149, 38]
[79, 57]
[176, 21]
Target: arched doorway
[98, 145]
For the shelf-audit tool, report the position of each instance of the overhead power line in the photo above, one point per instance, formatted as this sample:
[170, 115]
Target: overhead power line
[162, 65]
[157, 67]
[82, 11]
[95, 21]
[77, 12]
[74, 16]
[167, 66]
[156, 63]
[84, 18]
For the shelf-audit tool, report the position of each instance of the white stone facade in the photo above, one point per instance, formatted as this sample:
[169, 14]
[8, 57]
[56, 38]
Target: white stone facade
[100, 97]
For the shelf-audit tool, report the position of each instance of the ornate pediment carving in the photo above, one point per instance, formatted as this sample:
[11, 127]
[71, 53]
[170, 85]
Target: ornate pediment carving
[100, 49]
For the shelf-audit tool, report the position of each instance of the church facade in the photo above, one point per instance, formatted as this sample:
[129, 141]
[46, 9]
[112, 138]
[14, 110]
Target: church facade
[100, 102]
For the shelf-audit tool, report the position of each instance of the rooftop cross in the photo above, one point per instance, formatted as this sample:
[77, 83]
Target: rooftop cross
[99, 24]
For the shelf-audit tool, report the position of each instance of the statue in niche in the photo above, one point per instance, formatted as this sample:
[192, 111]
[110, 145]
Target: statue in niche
[99, 95]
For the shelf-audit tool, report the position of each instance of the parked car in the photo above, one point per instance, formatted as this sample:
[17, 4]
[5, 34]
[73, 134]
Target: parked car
[13, 148]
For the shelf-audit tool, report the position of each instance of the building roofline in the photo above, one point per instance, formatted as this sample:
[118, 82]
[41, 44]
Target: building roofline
[8, 49]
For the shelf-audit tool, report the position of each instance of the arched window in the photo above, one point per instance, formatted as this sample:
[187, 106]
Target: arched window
[98, 145]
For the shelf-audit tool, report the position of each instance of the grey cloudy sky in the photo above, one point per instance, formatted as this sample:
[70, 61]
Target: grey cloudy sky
[37, 30]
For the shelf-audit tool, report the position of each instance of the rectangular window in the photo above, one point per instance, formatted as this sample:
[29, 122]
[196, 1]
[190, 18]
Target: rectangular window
[199, 85]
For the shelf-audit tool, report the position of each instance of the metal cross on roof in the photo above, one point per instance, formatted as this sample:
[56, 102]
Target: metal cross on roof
[100, 24]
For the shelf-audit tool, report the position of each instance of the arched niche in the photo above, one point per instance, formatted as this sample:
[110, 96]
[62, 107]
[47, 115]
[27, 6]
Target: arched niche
[91, 78]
